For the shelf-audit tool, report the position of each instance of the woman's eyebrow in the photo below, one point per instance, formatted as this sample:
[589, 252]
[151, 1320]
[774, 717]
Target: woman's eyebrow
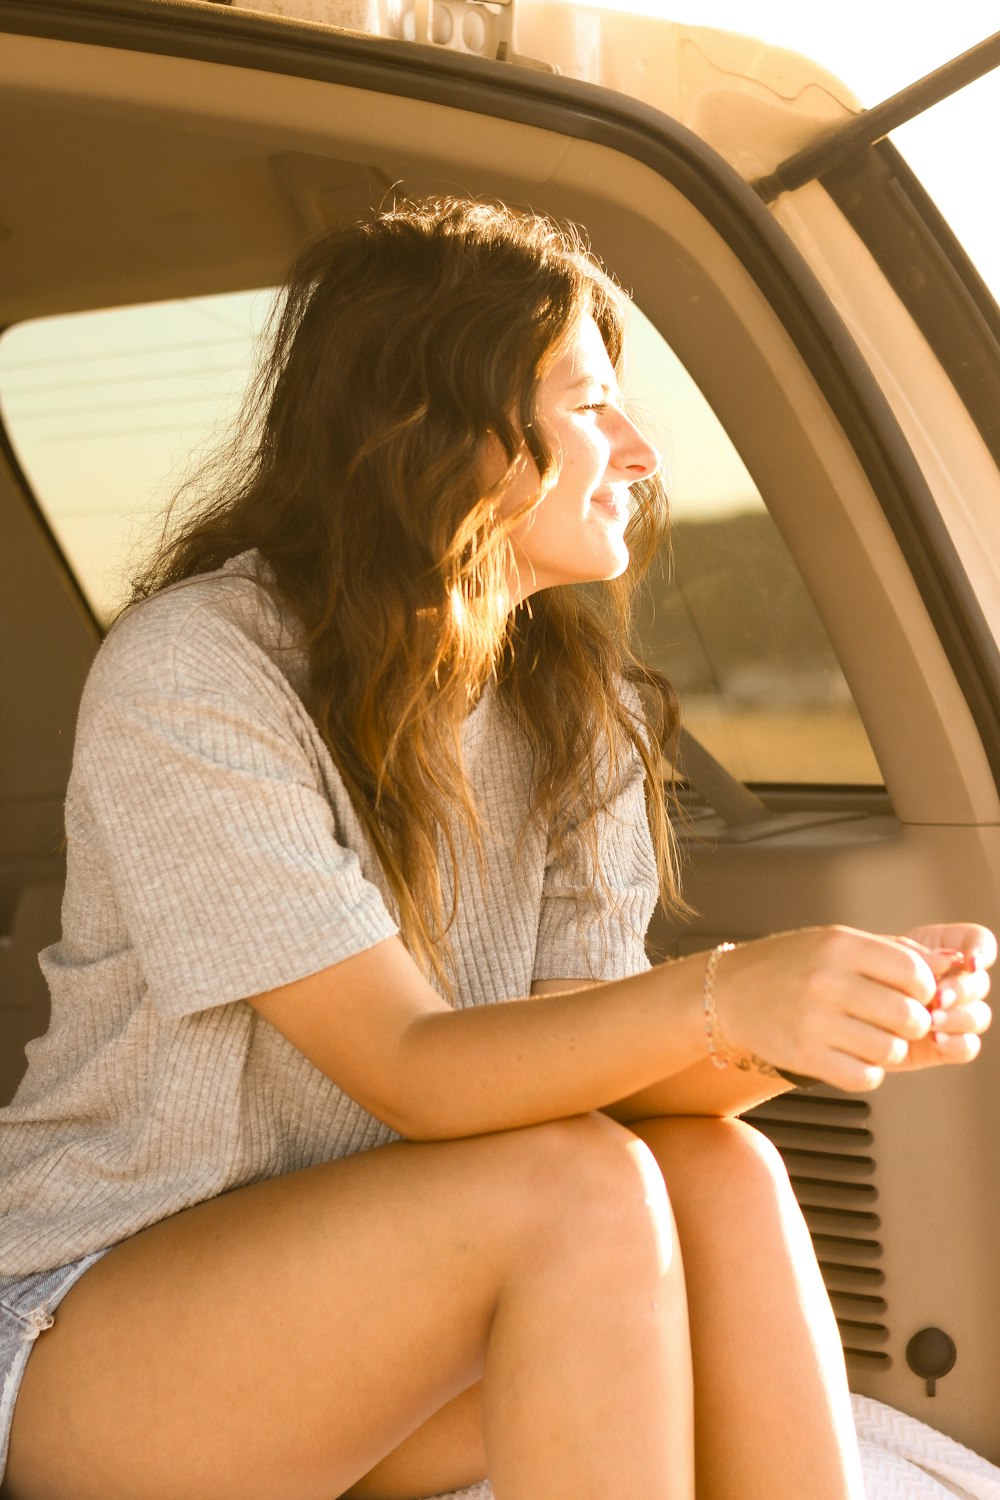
[585, 381]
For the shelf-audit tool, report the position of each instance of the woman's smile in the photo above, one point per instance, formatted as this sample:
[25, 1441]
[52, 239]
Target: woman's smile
[616, 506]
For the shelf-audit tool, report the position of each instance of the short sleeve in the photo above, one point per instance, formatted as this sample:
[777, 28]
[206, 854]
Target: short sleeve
[594, 927]
[220, 842]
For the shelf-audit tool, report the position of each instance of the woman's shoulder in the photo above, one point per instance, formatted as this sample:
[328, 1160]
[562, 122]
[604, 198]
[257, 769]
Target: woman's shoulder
[215, 632]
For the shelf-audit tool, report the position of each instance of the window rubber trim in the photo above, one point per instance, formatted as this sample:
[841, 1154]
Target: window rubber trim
[930, 271]
[589, 112]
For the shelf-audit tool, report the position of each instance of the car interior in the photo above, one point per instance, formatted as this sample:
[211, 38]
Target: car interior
[832, 769]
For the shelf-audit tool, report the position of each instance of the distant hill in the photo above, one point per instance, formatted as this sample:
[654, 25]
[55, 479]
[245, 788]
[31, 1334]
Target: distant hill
[736, 618]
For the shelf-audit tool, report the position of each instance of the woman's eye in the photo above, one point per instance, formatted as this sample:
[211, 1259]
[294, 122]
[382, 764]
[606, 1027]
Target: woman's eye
[598, 406]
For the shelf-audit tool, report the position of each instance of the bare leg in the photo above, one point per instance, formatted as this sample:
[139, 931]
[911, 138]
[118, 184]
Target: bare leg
[428, 1461]
[772, 1411]
[283, 1338]
[772, 1416]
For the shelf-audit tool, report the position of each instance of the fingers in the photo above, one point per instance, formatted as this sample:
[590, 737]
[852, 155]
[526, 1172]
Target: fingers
[869, 1044]
[974, 1016]
[848, 1006]
[959, 956]
[853, 1048]
[842, 957]
[945, 1032]
[959, 1013]
[956, 1022]
[894, 1014]
[894, 1044]
[845, 1071]
[969, 938]
[842, 1071]
[957, 1005]
[956, 1049]
[960, 986]
[896, 964]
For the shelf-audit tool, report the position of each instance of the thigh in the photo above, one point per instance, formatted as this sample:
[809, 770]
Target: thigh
[26, 1307]
[280, 1339]
[764, 1339]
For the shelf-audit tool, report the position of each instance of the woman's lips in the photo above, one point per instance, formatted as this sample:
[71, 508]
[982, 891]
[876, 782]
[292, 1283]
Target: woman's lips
[612, 505]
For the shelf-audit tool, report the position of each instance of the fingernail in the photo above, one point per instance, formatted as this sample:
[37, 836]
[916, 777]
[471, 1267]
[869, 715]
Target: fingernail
[939, 1018]
[945, 995]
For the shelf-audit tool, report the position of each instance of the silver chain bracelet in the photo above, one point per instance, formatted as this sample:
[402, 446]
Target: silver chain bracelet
[717, 1049]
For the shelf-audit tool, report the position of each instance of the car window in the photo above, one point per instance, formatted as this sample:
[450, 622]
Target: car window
[731, 623]
[108, 410]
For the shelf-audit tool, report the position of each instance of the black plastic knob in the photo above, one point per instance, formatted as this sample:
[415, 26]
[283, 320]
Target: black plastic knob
[930, 1354]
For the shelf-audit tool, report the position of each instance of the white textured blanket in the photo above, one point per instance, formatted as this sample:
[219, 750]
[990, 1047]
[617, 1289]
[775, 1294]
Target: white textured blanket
[904, 1459]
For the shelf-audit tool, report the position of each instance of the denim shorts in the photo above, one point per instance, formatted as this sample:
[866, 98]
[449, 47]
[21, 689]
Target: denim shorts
[27, 1308]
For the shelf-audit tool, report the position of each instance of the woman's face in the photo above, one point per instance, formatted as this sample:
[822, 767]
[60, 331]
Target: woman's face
[577, 532]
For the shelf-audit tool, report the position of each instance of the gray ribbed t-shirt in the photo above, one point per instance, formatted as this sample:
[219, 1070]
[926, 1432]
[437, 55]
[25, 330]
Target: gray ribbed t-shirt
[213, 853]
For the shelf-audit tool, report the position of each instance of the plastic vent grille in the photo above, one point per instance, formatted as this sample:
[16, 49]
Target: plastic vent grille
[827, 1144]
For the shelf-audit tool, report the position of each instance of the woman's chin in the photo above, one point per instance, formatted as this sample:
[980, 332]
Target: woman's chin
[612, 565]
[592, 566]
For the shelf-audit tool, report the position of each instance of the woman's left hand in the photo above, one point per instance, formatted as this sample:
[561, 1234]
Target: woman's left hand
[959, 1013]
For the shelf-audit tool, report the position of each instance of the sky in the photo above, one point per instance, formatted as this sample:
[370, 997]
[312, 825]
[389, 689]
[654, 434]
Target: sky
[878, 47]
[104, 408]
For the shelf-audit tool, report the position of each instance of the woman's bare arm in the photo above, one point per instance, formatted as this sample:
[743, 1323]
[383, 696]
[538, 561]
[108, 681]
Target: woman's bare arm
[707, 1090]
[834, 1003]
[374, 1025]
[701, 1089]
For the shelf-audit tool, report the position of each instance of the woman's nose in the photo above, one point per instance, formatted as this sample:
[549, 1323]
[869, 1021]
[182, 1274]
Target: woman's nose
[633, 454]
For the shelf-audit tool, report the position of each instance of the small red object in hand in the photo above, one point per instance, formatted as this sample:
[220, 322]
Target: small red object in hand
[962, 963]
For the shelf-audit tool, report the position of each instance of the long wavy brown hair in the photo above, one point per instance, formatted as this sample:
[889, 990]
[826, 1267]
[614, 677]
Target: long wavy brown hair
[406, 353]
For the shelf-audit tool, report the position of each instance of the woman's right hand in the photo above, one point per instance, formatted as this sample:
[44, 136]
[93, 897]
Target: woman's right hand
[833, 1003]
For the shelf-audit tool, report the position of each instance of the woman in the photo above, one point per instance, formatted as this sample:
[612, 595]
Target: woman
[354, 776]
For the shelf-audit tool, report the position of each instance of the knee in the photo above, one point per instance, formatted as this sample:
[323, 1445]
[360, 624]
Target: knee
[601, 1183]
[728, 1156]
[589, 1156]
[739, 1147]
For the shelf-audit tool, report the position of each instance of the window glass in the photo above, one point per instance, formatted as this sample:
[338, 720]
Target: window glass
[735, 628]
[108, 411]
